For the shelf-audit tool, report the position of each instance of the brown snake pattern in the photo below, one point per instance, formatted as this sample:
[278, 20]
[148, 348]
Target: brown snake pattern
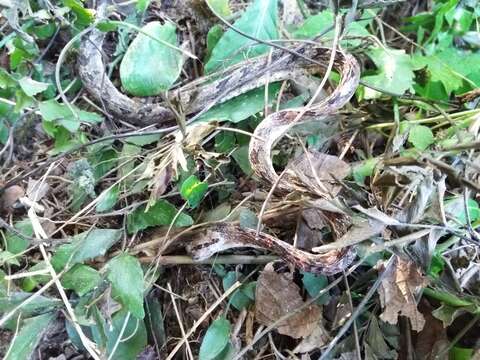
[234, 81]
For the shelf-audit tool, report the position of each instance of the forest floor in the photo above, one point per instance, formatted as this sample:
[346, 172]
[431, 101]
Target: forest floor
[261, 179]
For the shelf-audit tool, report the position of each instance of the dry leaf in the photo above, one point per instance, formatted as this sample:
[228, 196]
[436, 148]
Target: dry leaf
[432, 339]
[11, 196]
[397, 293]
[318, 338]
[37, 189]
[309, 167]
[161, 181]
[277, 295]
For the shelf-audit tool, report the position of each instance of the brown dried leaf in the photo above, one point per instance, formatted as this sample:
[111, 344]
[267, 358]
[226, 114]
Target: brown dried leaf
[37, 189]
[276, 296]
[397, 293]
[161, 181]
[327, 168]
[10, 196]
[318, 338]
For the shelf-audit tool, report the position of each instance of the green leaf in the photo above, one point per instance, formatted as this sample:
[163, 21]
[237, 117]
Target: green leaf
[161, 213]
[27, 339]
[154, 319]
[450, 66]
[314, 284]
[260, 21]
[6, 257]
[143, 140]
[193, 190]
[240, 299]
[84, 16]
[221, 7]
[248, 219]
[213, 36]
[421, 137]
[459, 353]
[243, 106]
[85, 246]
[81, 279]
[32, 87]
[241, 158]
[107, 199]
[216, 340]
[142, 5]
[319, 23]
[132, 341]
[395, 72]
[52, 111]
[456, 207]
[366, 168]
[150, 67]
[16, 244]
[126, 276]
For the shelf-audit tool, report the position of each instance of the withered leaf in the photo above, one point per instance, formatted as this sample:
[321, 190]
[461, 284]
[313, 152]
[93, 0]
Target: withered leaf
[276, 296]
[397, 293]
[161, 181]
[316, 165]
[10, 196]
[318, 338]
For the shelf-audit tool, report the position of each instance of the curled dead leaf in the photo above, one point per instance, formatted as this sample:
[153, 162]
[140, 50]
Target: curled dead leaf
[276, 296]
[397, 293]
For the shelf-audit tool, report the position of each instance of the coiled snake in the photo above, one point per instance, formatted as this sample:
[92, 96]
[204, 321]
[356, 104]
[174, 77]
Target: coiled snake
[236, 80]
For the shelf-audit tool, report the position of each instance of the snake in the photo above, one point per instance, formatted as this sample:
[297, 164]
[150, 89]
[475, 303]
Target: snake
[302, 60]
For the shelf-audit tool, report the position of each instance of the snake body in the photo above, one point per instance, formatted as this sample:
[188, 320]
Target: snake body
[197, 95]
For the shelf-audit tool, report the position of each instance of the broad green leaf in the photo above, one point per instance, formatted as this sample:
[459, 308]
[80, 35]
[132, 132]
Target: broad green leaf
[107, 199]
[32, 87]
[16, 244]
[142, 5]
[52, 111]
[143, 140]
[84, 16]
[161, 213]
[213, 36]
[154, 318]
[150, 67]
[25, 342]
[193, 190]
[81, 278]
[248, 219]
[395, 72]
[132, 341]
[260, 21]
[126, 276]
[314, 284]
[6, 257]
[221, 7]
[460, 353]
[216, 340]
[40, 304]
[361, 171]
[243, 106]
[319, 23]
[85, 246]
[421, 137]
[241, 158]
[456, 207]
[241, 298]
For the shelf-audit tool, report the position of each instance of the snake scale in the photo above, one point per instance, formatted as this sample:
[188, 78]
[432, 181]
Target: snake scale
[250, 74]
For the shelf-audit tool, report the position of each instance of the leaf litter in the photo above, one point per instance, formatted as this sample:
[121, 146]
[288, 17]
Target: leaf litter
[134, 215]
